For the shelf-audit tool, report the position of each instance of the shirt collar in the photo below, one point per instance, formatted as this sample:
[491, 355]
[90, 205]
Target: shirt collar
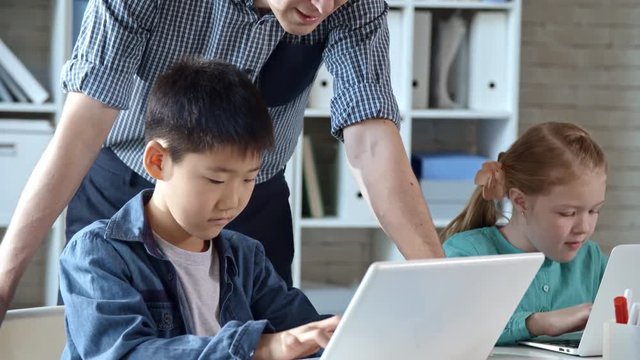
[130, 224]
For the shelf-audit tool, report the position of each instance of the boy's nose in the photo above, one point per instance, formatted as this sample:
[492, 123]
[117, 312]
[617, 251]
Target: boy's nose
[324, 6]
[228, 201]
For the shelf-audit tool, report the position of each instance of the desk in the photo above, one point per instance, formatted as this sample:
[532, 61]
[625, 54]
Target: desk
[523, 352]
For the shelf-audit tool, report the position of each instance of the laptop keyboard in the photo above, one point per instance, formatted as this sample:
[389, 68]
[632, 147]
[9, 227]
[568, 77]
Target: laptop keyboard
[565, 343]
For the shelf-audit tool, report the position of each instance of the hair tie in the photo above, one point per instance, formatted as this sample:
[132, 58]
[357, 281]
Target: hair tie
[491, 178]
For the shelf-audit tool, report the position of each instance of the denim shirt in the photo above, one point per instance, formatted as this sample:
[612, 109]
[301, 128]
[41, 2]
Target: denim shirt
[123, 299]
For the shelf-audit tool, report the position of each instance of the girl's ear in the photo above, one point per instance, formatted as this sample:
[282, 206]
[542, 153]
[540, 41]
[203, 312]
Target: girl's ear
[155, 159]
[519, 200]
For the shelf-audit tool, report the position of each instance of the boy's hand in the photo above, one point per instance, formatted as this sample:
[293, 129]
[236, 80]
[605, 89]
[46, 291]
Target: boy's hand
[297, 342]
[558, 322]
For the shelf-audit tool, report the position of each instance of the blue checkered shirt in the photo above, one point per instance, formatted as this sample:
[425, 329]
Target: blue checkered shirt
[124, 45]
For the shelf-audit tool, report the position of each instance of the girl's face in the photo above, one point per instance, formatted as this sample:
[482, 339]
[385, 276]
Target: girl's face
[559, 222]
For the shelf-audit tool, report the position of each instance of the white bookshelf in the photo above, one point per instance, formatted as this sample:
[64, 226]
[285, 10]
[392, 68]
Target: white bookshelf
[39, 33]
[488, 130]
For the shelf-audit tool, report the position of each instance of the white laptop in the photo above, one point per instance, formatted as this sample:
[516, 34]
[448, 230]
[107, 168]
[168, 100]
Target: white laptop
[622, 272]
[453, 308]
[33, 333]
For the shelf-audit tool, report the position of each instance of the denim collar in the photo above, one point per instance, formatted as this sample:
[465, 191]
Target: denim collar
[130, 224]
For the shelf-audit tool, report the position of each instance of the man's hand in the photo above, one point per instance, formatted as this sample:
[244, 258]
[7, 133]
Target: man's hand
[558, 322]
[297, 342]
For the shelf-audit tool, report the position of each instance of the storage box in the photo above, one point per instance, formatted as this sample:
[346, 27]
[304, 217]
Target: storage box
[446, 166]
[446, 199]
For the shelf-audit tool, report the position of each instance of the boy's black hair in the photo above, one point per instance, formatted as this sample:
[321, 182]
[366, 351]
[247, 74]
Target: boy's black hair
[198, 105]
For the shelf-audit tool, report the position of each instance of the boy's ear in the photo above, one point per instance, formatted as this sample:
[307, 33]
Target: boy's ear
[155, 159]
[518, 199]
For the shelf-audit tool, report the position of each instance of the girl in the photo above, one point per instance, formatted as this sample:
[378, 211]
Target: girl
[555, 177]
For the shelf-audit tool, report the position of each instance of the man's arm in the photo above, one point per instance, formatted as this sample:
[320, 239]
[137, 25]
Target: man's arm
[380, 165]
[83, 127]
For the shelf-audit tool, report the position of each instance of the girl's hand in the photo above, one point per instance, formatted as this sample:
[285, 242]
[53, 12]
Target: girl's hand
[297, 342]
[558, 322]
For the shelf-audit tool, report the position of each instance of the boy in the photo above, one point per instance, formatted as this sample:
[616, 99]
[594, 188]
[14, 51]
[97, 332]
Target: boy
[161, 277]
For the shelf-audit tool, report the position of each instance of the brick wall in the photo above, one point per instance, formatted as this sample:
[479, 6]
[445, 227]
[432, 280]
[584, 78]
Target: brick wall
[580, 62]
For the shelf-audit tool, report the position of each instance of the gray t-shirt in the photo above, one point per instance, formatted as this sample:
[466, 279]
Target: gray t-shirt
[199, 275]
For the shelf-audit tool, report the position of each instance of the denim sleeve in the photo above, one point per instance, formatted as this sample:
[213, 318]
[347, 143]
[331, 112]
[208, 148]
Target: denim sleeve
[106, 317]
[357, 55]
[108, 50]
[284, 307]
[516, 329]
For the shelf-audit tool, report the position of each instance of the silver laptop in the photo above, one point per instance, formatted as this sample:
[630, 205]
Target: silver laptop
[33, 333]
[452, 308]
[622, 272]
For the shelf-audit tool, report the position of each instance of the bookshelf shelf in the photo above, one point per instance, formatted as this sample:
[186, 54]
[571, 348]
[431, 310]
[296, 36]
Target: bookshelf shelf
[46, 108]
[460, 114]
[462, 4]
[317, 113]
[335, 222]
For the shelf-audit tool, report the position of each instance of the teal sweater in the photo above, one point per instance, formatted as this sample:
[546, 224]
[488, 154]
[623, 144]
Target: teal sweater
[554, 287]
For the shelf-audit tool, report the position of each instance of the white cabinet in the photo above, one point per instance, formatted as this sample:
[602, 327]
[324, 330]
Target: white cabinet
[333, 251]
[21, 144]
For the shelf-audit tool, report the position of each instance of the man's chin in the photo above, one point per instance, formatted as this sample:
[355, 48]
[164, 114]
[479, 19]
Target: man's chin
[299, 30]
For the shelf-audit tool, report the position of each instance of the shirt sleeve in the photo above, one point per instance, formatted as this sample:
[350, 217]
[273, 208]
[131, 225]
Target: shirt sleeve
[108, 51]
[357, 55]
[516, 329]
[284, 307]
[106, 317]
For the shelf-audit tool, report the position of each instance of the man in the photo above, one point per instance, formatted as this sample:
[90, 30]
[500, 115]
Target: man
[124, 45]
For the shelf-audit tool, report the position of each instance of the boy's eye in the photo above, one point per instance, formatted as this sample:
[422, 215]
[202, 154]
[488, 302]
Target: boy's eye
[249, 180]
[567, 213]
[217, 182]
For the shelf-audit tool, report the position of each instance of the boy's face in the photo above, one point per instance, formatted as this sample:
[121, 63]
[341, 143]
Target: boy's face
[301, 17]
[205, 191]
[558, 223]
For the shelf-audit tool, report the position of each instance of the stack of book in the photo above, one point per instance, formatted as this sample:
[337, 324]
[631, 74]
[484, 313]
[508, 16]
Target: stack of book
[17, 84]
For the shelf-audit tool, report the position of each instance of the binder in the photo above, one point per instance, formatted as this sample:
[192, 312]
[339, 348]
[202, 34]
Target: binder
[322, 89]
[488, 61]
[395, 24]
[311, 181]
[22, 77]
[421, 59]
[5, 95]
[12, 86]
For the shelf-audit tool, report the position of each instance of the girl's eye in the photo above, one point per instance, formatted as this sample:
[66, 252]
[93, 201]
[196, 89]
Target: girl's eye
[217, 182]
[249, 180]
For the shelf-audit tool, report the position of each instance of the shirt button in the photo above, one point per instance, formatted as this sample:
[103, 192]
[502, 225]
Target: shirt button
[170, 276]
[545, 288]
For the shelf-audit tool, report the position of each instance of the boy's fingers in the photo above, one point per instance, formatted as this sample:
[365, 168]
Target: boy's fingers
[315, 337]
[328, 324]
